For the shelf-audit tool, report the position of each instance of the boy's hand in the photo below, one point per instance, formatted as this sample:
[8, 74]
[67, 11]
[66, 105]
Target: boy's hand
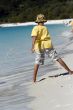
[32, 50]
[72, 30]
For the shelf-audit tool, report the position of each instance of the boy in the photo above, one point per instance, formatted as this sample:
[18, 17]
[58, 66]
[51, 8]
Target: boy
[42, 44]
[71, 24]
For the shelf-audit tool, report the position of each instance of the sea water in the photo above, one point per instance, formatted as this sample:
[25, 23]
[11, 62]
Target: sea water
[15, 47]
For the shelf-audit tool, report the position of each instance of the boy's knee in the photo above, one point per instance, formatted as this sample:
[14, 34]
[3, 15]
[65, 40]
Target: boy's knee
[39, 61]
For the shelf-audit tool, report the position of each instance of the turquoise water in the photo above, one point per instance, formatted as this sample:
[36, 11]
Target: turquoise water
[15, 47]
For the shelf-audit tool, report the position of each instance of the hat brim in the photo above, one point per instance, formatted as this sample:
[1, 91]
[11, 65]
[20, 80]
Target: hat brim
[41, 21]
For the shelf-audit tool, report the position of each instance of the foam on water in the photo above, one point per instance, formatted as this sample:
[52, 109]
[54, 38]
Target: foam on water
[67, 34]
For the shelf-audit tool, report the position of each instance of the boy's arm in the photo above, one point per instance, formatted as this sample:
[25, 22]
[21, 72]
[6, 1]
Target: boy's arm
[72, 29]
[33, 43]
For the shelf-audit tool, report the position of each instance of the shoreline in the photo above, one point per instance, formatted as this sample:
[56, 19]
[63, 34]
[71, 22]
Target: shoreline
[63, 21]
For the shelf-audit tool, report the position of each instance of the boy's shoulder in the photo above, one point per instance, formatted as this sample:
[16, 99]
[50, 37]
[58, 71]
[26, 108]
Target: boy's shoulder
[38, 27]
[35, 27]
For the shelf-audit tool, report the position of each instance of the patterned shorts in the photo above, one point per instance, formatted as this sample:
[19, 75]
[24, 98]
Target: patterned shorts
[40, 56]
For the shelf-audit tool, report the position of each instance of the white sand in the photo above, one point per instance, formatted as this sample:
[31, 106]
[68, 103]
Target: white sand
[53, 93]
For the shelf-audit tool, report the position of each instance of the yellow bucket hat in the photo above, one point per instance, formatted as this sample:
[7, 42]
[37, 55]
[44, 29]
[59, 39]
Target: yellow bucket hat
[40, 18]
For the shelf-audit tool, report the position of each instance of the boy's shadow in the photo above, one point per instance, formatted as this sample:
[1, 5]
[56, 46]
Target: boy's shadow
[62, 74]
[54, 76]
[42, 79]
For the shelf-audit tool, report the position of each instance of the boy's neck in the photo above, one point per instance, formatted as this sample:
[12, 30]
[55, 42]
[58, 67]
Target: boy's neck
[41, 24]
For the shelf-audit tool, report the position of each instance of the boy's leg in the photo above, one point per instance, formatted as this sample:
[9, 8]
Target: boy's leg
[39, 59]
[53, 54]
[36, 66]
[62, 63]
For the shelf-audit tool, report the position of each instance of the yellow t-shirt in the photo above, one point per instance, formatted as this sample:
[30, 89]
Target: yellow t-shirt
[71, 23]
[43, 39]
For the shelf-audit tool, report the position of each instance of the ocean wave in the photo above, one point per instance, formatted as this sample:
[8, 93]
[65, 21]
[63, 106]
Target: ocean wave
[67, 34]
[63, 21]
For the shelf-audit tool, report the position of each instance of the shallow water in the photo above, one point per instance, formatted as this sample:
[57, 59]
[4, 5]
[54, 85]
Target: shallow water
[15, 47]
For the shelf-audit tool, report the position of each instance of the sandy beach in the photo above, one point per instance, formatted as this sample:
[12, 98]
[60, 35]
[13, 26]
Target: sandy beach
[52, 91]
[55, 92]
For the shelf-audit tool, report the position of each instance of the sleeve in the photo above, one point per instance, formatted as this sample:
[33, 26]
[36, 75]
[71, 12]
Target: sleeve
[71, 23]
[34, 32]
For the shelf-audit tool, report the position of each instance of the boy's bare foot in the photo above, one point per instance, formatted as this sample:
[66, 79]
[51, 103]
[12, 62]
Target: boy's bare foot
[34, 81]
[71, 72]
